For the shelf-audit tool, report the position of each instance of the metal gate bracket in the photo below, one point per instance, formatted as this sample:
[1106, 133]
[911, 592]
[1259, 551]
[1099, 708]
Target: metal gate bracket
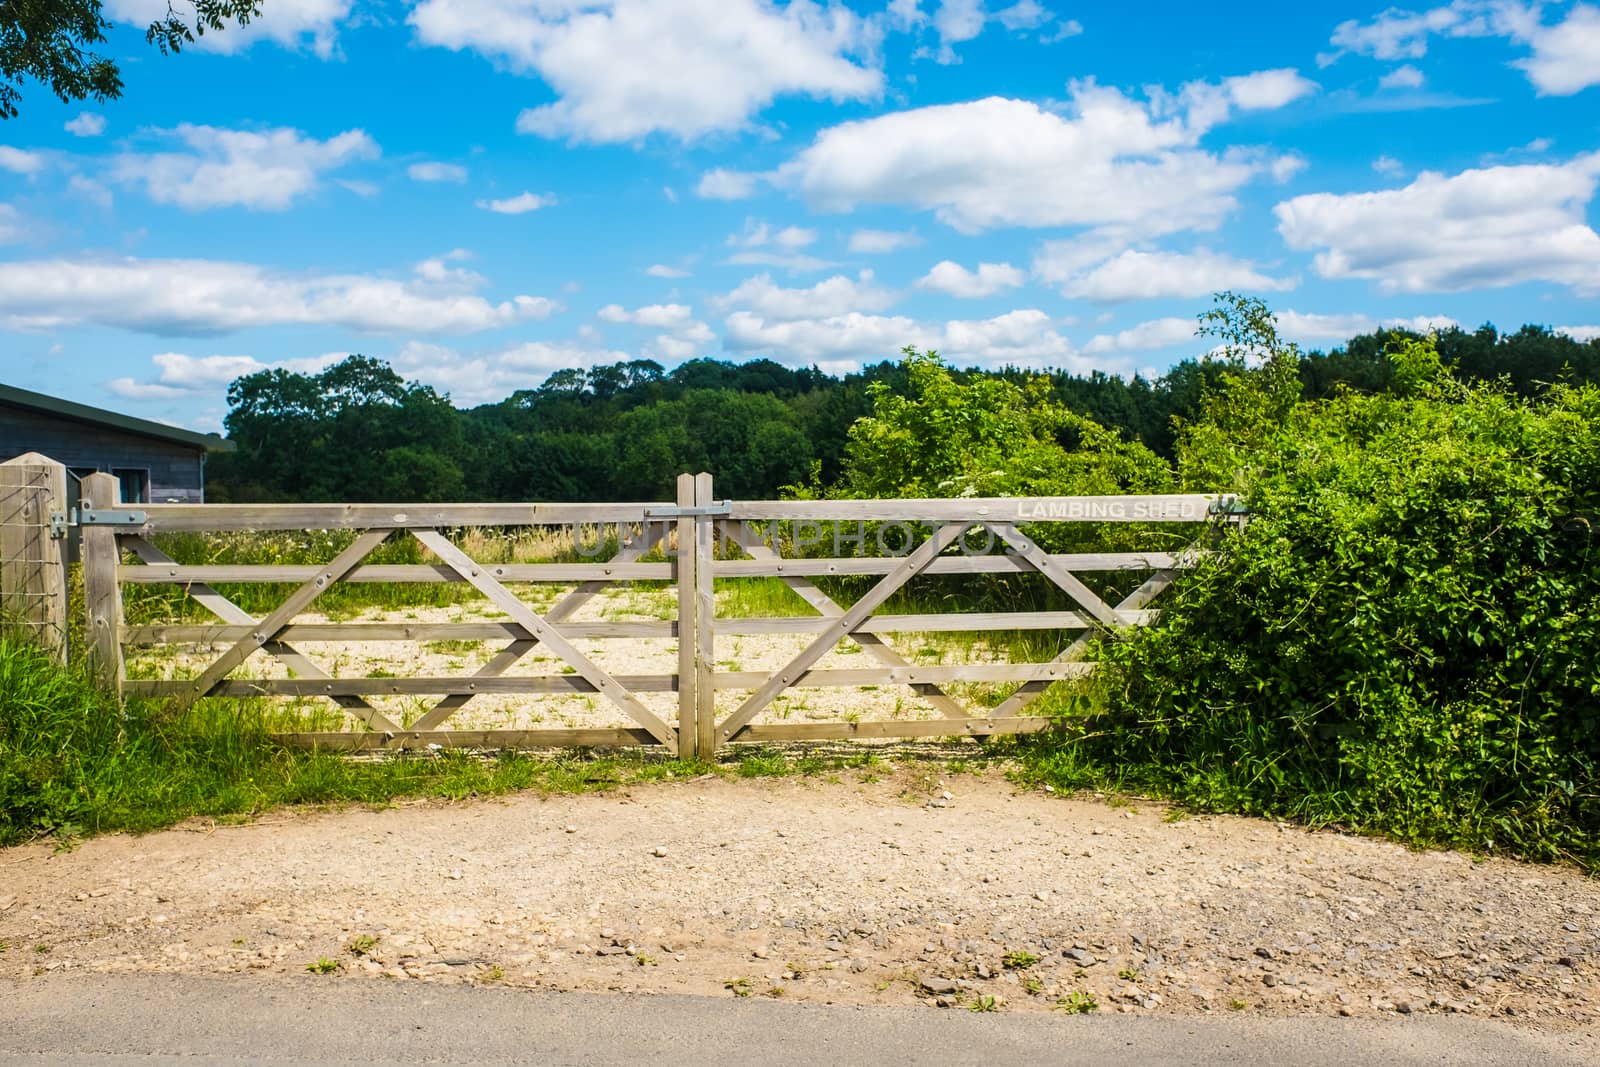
[718, 507]
[111, 517]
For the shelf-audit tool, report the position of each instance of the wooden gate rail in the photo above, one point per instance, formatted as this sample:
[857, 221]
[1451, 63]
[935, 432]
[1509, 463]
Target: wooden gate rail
[701, 524]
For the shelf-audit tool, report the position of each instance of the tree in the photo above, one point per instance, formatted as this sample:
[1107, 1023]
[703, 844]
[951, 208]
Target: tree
[50, 41]
[355, 431]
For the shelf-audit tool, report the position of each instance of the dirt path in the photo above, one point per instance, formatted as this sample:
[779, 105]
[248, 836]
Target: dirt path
[859, 890]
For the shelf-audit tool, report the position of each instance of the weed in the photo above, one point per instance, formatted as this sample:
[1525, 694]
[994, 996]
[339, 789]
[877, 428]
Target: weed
[493, 973]
[1032, 984]
[985, 1002]
[1129, 974]
[361, 944]
[1019, 960]
[739, 987]
[323, 965]
[1077, 1002]
[1237, 1004]
[450, 646]
[41, 949]
[644, 959]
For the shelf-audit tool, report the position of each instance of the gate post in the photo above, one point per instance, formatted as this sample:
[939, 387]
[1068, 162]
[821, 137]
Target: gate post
[688, 732]
[102, 590]
[33, 557]
[705, 620]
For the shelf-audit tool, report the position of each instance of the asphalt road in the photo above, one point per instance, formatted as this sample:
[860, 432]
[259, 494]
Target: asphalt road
[148, 1019]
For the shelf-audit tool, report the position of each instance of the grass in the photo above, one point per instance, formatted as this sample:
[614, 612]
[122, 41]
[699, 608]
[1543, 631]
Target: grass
[74, 762]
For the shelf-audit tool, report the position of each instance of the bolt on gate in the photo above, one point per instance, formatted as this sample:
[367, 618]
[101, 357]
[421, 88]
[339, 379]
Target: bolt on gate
[691, 546]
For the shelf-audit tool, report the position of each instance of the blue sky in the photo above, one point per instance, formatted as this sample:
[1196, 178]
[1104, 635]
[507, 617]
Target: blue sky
[484, 191]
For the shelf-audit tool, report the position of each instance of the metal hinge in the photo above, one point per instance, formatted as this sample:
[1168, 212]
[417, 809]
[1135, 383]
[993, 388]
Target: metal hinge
[111, 517]
[59, 523]
[716, 507]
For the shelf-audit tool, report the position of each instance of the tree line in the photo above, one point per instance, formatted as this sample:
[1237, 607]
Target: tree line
[359, 431]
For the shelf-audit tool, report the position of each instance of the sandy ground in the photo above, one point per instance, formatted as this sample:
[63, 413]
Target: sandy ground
[874, 887]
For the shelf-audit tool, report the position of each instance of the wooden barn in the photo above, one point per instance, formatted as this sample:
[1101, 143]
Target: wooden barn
[154, 462]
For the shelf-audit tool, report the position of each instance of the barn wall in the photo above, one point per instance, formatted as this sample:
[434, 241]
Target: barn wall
[175, 470]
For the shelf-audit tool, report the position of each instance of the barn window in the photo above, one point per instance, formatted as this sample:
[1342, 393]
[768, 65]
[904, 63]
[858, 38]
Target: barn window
[135, 483]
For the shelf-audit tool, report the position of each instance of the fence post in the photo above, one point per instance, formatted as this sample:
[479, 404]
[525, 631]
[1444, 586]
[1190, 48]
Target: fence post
[688, 734]
[705, 622]
[33, 565]
[102, 591]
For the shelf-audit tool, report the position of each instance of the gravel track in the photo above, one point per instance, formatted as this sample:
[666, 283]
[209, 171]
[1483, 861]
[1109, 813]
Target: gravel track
[865, 887]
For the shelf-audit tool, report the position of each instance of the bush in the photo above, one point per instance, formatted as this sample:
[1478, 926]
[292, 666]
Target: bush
[1403, 639]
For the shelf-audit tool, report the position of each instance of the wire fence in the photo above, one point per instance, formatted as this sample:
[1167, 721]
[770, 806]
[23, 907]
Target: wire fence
[32, 556]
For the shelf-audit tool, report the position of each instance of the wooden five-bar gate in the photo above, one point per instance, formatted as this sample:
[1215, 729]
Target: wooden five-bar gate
[700, 539]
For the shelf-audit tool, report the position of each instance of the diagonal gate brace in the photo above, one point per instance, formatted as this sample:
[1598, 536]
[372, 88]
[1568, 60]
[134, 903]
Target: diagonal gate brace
[563, 611]
[270, 627]
[229, 612]
[538, 629]
[875, 646]
[859, 612]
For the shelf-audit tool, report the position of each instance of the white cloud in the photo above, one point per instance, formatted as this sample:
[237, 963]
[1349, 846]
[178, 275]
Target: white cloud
[182, 375]
[1023, 337]
[1406, 77]
[1064, 29]
[1132, 275]
[655, 316]
[838, 295]
[762, 245]
[1108, 161]
[294, 24]
[758, 234]
[20, 161]
[520, 204]
[723, 184]
[954, 22]
[1490, 227]
[1024, 15]
[952, 279]
[11, 224]
[1565, 57]
[877, 242]
[1582, 334]
[473, 377]
[661, 270]
[195, 296]
[622, 69]
[87, 124]
[1397, 34]
[684, 336]
[1388, 165]
[1157, 333]
[266, 170]
[1314, 326]
[433, 171]
[795, 263]
[1284, 167]
[1207, 104]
